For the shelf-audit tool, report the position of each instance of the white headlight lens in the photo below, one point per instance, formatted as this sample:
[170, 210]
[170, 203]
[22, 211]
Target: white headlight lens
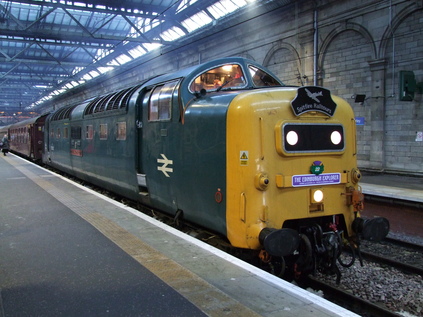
[336, 137]
[292, 138]
[318, 196]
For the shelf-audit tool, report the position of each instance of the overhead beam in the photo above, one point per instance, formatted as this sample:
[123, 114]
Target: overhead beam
[41, 77]
[60, 49]
[127, 7]
[71, 37]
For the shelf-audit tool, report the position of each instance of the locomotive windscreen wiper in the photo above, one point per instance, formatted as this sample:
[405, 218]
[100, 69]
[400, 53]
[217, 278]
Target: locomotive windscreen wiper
[224, 84]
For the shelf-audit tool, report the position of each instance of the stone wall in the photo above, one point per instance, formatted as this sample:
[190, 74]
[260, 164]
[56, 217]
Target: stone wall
[362, 45]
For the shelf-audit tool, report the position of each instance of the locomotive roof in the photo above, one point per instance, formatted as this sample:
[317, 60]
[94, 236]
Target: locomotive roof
[26, 122]
[118, 99]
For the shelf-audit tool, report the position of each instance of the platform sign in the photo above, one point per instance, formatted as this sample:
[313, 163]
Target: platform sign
[360, 121]
[316, 180]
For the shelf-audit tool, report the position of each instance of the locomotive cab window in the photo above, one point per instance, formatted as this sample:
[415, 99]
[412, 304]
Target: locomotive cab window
[225, 76]
[160, 103]
[261, 78]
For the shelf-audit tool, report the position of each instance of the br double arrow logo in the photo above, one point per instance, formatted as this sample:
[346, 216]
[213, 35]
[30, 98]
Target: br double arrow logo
[164, 168]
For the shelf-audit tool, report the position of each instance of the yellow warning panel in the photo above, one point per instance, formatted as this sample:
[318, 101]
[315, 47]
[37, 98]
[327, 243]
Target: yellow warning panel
[243, 157]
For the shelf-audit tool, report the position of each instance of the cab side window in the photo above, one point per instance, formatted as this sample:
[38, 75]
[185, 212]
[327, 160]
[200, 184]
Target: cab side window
[160, 103]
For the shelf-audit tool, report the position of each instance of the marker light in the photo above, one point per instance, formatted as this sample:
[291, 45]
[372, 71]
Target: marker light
[292, 138]
[336, 137]
[317, 196]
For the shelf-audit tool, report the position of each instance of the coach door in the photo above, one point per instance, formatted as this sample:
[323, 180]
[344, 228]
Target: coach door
[158, 135]
[37, 135]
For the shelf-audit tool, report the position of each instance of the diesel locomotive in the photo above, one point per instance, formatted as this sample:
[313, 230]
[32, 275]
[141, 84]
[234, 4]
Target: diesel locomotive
[227, 146]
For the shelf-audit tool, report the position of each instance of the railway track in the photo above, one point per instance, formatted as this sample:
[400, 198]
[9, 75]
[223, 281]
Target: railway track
[404, 256]
[404, 244]
[390, 282]
[349, 301]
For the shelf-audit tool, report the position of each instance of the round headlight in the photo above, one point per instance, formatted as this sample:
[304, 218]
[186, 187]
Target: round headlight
[318, 196]
[336, 137]
[292, 137]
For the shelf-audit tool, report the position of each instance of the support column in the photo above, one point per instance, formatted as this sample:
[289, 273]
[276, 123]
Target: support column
[306, 45]
[377, 120]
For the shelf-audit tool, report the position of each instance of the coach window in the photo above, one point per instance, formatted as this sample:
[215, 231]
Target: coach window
[121, 131]
[160, 104]
[58, 133]
[65, 133]
[103, 131]
[76, 133]
[89, 132]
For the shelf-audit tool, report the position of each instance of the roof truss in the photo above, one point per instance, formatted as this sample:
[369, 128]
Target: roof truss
[50, 45]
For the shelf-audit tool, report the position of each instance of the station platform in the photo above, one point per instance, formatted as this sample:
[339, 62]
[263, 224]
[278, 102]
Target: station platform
[401, 187]
[67, 251]
[401, 203]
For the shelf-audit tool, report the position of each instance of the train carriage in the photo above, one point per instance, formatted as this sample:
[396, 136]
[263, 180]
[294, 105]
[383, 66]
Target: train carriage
[227, 146]
[27, 137]
[4, 130]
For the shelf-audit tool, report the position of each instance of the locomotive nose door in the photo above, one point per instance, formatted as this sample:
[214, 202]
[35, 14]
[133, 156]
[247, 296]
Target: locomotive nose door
[158, 139]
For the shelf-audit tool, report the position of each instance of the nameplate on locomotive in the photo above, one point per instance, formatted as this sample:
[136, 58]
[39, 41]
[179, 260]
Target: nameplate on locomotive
[312, 98]
[316, 180]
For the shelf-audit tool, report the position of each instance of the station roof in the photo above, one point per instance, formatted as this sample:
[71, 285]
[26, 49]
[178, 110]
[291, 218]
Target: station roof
[50, 46]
